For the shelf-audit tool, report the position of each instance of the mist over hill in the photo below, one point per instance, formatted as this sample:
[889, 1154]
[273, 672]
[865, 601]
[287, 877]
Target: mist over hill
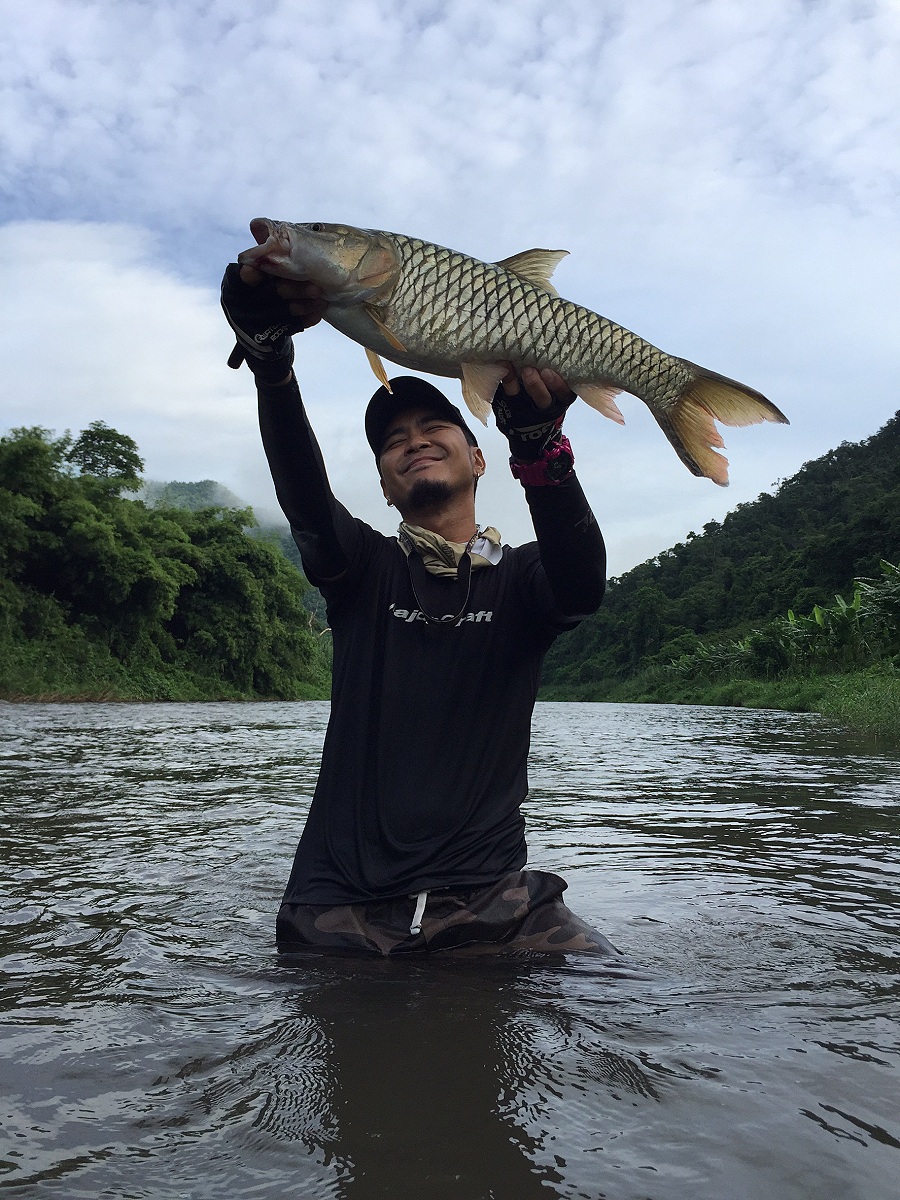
[204, 493]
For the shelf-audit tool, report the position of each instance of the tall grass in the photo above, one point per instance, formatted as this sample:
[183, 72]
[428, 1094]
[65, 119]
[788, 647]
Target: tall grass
[842, 660]
[869, 701]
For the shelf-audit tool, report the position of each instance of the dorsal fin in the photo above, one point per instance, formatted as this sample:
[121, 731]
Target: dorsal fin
[536, 266]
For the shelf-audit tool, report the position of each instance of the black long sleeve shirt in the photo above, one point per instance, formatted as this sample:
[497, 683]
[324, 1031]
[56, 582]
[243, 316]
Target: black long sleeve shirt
[424, 764]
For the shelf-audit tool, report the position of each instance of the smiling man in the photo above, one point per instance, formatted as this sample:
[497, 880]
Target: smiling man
[426, 468]
[415, 839]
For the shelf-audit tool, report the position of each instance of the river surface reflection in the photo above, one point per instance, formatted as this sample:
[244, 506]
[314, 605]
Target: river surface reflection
[153, 1045]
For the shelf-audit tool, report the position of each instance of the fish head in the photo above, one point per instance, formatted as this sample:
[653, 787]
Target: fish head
[350, 265]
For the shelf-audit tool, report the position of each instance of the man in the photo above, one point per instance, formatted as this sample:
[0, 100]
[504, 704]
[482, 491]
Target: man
[415, 840]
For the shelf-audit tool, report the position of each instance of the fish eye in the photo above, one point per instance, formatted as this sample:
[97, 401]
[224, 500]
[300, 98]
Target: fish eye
[316, 227]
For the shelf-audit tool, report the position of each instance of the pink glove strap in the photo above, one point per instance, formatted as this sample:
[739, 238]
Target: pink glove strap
[550, 470]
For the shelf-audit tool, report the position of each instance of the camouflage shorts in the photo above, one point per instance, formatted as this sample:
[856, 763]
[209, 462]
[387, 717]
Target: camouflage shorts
[522, 911]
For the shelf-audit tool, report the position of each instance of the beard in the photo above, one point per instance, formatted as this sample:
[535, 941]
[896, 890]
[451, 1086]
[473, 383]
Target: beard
[429, 496]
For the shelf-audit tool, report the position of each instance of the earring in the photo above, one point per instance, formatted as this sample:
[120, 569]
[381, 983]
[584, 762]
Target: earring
[390, 504]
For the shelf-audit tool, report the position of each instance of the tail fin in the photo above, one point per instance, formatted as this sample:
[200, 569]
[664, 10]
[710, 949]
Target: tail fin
[689, 424]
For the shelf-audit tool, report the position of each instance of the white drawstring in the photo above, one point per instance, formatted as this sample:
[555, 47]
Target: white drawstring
[416, 926]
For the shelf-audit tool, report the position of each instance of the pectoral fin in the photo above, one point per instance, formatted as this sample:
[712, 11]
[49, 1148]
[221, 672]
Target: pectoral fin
[378, 367]
[479, 382]
[389, 337]
[535, 266]
[602, 397]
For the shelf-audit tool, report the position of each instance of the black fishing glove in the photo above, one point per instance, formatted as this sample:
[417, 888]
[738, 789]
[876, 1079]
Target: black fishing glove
[263, 325]
[528, 429]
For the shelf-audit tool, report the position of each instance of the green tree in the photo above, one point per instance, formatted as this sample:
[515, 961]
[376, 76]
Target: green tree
[107, 454]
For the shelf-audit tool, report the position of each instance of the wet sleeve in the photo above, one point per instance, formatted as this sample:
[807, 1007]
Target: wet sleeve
[570, 544]
[325, 533]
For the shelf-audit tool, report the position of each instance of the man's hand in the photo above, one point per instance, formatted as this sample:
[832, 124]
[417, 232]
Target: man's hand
[264, 313]
[530, 410]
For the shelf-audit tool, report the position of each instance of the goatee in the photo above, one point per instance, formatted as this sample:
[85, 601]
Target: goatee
[429, 495]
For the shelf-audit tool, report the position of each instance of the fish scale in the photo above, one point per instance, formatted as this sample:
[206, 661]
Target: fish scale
[516, 324]
[433, 309]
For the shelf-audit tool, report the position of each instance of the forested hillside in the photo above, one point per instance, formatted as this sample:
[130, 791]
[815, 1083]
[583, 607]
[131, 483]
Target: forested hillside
[104, 595]
[833, 521]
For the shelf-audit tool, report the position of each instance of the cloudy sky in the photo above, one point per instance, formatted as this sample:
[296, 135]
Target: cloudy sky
[724, 174]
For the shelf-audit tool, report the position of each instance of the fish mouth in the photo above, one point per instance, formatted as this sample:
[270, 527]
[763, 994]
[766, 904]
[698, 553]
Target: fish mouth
[262, 228]
[272, 251]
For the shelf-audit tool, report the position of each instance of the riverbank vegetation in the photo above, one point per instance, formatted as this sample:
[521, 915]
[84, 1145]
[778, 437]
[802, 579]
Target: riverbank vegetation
[842, 660]
[104, 596]
[115, 588]
[723, 605]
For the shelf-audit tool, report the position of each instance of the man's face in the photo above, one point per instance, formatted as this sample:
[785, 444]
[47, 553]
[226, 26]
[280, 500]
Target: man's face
[426, 460]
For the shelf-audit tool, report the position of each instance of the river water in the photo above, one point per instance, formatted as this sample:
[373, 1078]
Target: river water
[746, 1045]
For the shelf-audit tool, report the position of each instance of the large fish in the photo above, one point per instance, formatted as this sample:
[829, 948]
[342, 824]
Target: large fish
[439, 311]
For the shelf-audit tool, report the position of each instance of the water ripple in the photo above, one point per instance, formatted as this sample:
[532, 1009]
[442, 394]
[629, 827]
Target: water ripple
[154, 1045]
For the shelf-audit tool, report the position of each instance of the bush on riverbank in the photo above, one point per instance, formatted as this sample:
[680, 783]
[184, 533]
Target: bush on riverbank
[70, 667]
[102, 597]
[837, 638]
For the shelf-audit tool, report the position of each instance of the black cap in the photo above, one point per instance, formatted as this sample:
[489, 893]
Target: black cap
[408, 392]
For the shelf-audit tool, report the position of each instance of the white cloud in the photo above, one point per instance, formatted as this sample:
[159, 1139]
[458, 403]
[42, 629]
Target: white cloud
[174, 111]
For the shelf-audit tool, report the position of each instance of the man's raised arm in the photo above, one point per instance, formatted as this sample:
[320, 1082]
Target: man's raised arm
[264, 314]
[530, 414]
